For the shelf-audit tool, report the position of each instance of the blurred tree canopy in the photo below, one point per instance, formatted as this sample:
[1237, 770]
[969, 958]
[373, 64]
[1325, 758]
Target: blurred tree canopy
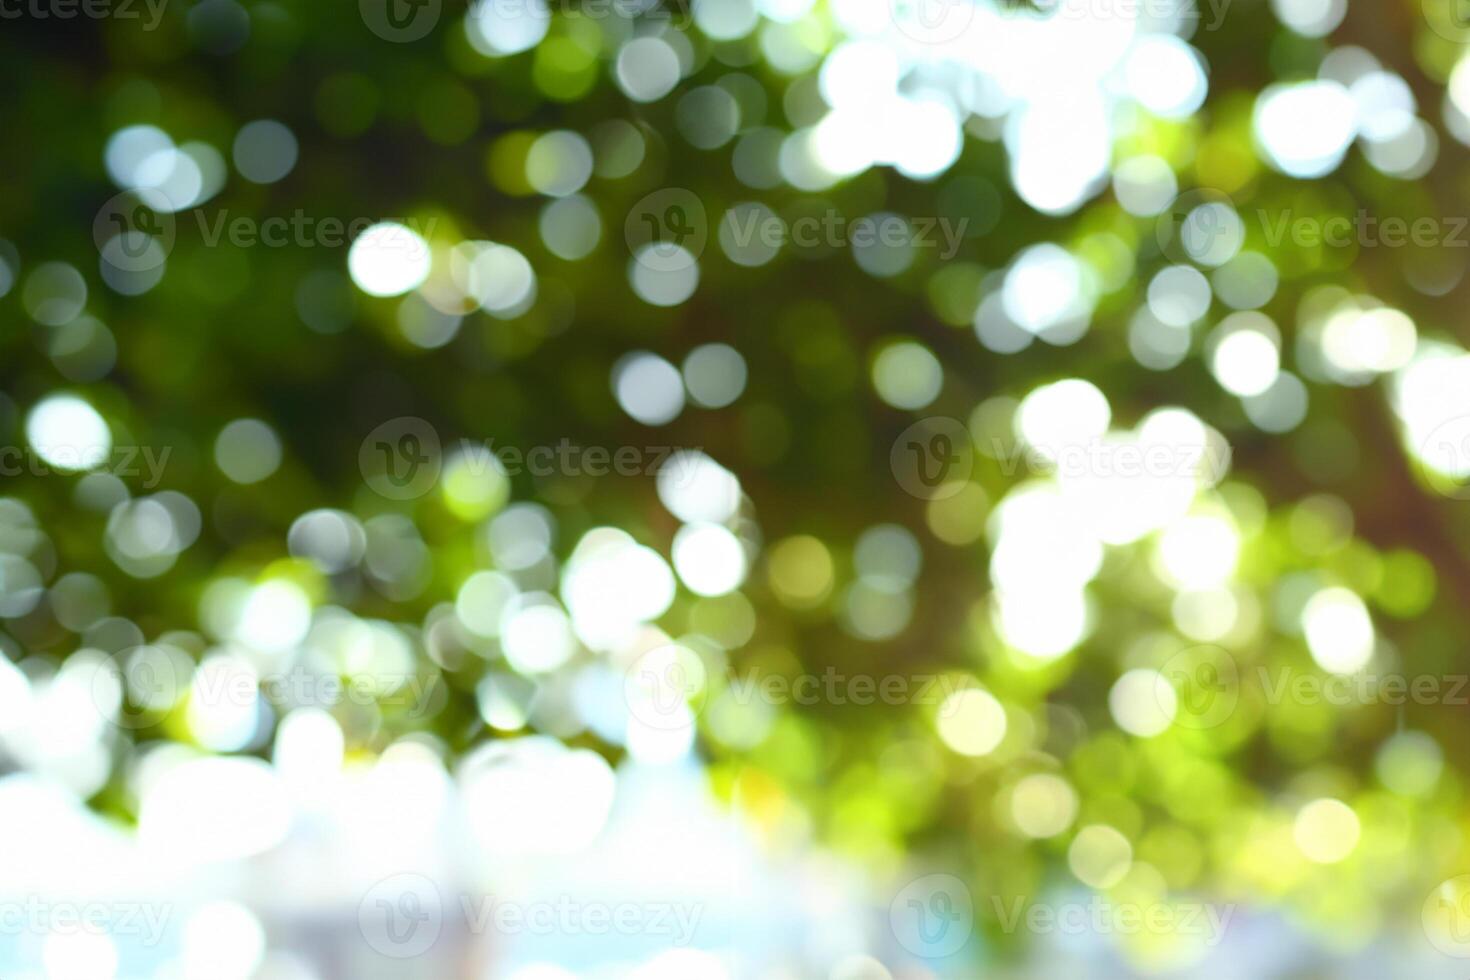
[1326, 537]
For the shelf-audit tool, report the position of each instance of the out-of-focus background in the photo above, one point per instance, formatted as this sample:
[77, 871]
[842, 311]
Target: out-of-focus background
[839, 489]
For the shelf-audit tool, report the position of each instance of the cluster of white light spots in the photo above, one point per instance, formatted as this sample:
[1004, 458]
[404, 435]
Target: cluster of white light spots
[1311, 18]
[907, 375]
[725, 20]
[1358, 344]
[145, 158]
[1143, 479]
[1041, 562]
[1166, 76]
[971, 721]
[1326, 831]
[1047, 292]
[663, 274]
[534, 796]
[1100, 856]
[201, 809]
[223, 940]
[1104, 487]
[1145, 185]
[1043, 805]
[871, 123]
[1245, 354]
[648, 388]
[497, 278]
[612, 586]
[536, 634]
[696, 489]
[1179, 295]
[647, 68]
[898, 101]
[1066, 415]
[333, 540]
[223, 712]
[709, 558]
[388, 259]
[145, 535]
[68, 434]
[559, 163]
[880, 603]
[1143, 703]
[1198, 551]
[1305, 128]
[499, 29]
[1339, 630]
[1431, 396]
[272, 616]
[61, 722]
